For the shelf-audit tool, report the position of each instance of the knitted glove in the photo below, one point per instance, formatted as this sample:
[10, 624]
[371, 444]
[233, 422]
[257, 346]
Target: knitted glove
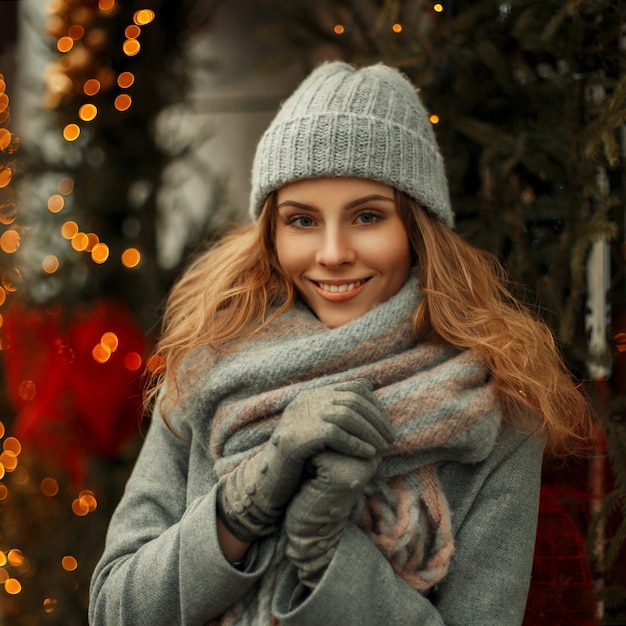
[344, 417]
[317, 515]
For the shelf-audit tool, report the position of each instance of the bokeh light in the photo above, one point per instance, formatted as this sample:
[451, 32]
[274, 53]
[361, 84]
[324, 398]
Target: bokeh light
[106, 5]
[65, 44]
[49, 487]
[76, 32]
[100, 253]
[80, 241]
[6, 174]
[131, 257]
[101, 353]
[87, 112]
[71, 132]
[10, 241]
[65, 186]
[49, 605]
[91, 87]
[123, 102]
[12, 586]
[132, 361]
[69, 563]
[132, 32]
[69, 230]
[110, 339]
[125, 80]
[50, 264]
[56, 202]
[143, 17]
[131, 47]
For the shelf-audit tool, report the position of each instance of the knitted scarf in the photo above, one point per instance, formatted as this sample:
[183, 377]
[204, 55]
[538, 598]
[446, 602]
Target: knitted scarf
[439, 400]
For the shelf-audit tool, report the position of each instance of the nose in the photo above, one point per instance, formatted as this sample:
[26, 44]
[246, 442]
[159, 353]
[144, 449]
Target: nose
[335, 248]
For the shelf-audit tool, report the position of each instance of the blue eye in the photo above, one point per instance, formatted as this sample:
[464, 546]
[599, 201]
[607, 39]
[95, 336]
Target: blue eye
[301, 221]
[367, 217]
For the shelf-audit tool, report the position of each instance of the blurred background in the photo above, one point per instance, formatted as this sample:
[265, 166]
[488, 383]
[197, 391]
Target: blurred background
[127, 131]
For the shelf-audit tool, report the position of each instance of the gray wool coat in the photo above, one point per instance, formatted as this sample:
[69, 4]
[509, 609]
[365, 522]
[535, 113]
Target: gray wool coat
[162, 563]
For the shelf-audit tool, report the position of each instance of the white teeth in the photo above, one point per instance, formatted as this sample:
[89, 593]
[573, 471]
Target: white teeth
[340, 288]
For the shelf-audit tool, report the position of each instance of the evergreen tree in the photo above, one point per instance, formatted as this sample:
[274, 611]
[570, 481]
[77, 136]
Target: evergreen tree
[530, 105]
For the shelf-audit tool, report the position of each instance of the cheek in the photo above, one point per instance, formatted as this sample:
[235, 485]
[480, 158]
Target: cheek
[395, 252]
[288, 253]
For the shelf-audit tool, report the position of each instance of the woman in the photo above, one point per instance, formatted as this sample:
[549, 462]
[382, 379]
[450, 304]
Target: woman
[351, 421]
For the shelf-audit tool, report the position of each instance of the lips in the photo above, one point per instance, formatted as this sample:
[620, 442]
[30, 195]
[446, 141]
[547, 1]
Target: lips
[341, 288]
[339, 291]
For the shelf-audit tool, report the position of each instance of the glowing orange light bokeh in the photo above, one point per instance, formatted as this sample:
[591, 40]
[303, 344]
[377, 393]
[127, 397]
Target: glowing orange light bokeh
[143, 17]
[56, 203]
[12, 444]
[87, 112]
[10, 241]
[132, 32]
[12, 586]
[110, 339]
[69, 230]
[6, 174]
[101, 353]
[91, 87]
[69, 563]
[50, 264]
[125, 79]
[71, 132]
[80, 241]
[65, 44]
[131, 47]
[100, 253]
[123, 102]
[106, 5]
[131, 257]
[155, 364]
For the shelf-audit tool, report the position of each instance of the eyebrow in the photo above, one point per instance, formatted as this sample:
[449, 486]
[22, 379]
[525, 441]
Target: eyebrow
[350, 205]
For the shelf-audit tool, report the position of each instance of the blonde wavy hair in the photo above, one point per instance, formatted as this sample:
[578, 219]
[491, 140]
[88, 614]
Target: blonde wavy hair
[237, 287]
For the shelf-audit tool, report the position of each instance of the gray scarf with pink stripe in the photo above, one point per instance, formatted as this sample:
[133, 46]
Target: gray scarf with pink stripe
[439, 400]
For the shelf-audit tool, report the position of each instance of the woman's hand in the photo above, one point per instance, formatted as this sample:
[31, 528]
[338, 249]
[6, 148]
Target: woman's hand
[317, 515]
[343, 417]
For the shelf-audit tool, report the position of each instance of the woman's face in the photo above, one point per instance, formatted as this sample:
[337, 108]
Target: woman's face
[342, 243]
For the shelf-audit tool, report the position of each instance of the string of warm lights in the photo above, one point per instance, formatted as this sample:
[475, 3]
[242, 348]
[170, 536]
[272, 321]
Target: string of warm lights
[78, 71]
[11, 237]
[81, 72]
[9, 242]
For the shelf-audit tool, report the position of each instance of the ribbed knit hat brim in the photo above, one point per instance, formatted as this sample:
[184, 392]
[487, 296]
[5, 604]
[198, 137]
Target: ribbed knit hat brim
[366, 123]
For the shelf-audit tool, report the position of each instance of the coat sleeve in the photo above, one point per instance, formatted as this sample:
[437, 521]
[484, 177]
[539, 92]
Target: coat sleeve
[162, 563]
[494, 514]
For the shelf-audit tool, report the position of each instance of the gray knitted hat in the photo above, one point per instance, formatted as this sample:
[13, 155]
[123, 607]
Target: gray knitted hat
[366, 123]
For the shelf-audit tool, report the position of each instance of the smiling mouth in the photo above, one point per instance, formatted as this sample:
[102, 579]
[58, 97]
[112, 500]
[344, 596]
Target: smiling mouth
[343, 288]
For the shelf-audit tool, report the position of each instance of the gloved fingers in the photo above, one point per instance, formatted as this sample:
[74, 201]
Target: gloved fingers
[342, 473]
[339, 429]
[357, 417]
[358, 395]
